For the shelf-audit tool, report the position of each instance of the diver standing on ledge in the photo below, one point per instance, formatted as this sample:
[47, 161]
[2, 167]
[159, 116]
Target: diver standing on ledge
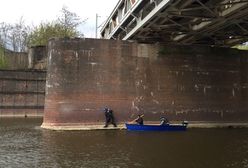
[109, 117]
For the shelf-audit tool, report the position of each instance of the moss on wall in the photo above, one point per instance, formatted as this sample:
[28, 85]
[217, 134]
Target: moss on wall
[3, 61]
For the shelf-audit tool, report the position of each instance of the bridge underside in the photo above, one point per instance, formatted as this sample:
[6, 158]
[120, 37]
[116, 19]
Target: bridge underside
[209, 22]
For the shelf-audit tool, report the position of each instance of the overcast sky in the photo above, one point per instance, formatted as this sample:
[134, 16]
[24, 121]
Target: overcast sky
[34, 11]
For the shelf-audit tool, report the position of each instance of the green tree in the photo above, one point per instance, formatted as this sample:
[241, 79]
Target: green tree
[65, 26]
[41, 34]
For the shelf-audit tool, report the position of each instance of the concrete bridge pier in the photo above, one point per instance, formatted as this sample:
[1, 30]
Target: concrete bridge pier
[194, 83]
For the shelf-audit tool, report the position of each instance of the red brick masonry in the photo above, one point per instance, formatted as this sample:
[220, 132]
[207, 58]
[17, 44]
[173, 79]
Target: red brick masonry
[180, 82]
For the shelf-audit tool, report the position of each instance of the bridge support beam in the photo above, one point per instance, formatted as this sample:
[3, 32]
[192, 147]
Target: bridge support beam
[179, 22]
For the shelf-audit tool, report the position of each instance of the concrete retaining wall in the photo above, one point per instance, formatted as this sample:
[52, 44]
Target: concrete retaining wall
[13, 60]
[34, 59]
[22, 93]
[180, 82]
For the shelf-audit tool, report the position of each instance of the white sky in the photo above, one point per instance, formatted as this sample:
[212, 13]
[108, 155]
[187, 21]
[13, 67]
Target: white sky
[34, 11]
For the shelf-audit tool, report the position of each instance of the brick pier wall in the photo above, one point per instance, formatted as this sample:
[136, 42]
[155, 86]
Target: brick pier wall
[180, 82]
[22, 93]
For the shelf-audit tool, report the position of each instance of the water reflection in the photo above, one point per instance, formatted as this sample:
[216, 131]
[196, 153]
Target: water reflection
[85, 149]
[24, 144]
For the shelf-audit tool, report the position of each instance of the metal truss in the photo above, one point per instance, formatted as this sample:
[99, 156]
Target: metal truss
[209, 22]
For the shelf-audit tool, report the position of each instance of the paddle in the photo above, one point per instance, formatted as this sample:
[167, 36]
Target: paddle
[136, 118]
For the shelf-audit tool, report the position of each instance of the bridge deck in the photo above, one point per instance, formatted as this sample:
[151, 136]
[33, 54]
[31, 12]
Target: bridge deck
[210, 22]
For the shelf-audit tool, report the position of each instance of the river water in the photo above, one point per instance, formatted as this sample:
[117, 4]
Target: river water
[24, 144]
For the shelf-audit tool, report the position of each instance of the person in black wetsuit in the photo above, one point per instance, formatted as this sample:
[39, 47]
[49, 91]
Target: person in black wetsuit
[109, 117]
[140, 120]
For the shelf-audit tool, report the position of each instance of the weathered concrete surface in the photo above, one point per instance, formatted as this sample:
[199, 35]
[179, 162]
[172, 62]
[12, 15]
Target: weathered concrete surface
[122, 126]
[22, 93]
[37, 57]
[13, 60]
[83, 127]
[34, 59]
[180, 82]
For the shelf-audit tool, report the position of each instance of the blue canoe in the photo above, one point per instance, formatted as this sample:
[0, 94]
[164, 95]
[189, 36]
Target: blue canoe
[166, 127]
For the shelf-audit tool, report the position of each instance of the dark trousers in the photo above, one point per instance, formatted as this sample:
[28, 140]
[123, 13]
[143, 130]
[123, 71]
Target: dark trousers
[110, 120]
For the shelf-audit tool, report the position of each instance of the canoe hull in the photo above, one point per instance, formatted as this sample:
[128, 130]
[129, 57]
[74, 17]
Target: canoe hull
[167, 127]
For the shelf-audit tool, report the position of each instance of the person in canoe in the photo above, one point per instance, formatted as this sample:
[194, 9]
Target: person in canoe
[139, 120]
[164, 121]
[109, 117]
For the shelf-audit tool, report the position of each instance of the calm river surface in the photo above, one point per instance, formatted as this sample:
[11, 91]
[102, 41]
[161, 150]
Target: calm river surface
[24, 144]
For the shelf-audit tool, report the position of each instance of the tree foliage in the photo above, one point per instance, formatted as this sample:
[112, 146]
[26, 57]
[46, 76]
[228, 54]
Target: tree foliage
[18, 37]
[69, 20]
[41, 34]
[65, 26]
[14, 36]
